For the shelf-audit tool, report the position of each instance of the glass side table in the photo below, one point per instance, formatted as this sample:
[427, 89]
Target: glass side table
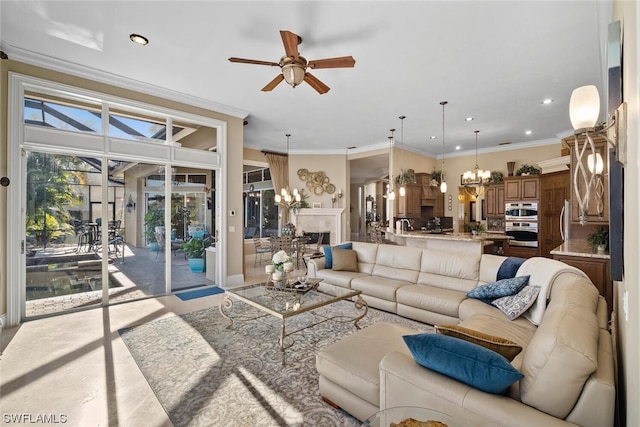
[396, 415]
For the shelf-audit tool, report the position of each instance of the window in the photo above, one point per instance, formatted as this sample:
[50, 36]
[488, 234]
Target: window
[260, 213]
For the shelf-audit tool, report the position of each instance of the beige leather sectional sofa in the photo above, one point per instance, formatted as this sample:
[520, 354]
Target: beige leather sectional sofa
[567, 357]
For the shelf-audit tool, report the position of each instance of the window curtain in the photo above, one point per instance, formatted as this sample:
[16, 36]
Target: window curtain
[279, 168]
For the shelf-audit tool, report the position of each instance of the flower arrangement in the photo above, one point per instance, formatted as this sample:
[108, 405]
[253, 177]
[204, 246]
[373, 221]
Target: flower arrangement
[281, 264]
[476, 227]
[527, 170]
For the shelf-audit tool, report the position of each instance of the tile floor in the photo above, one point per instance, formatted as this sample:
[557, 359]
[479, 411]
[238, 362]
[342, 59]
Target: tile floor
[75, 367]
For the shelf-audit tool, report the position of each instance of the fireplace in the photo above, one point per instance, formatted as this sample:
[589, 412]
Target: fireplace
[314, 236]
[320, 220]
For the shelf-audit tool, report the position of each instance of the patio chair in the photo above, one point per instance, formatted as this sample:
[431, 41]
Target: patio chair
[261, 249]
[162, 243]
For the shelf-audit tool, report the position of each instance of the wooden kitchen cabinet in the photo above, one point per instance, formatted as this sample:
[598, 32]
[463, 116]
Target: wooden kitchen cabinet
[602, 149]
[522, 188]
[494, 200]
[409, 206]
[554, 189]
[431, 196]
[598, 271]
[438, 208]
[523, 251]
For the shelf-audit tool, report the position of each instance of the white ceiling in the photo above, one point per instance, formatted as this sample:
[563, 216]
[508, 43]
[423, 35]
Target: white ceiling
[492, 60]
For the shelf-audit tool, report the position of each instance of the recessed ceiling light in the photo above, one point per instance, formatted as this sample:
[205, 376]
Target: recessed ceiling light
[137, 38]
[433, 137]
[468, 119]
[528, 132]
[457, 147]
[547, 101]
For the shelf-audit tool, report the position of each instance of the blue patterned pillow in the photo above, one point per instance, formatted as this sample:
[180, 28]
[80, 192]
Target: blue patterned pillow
[464, 361]
[328, 259]
[514, 306]
[499, 289]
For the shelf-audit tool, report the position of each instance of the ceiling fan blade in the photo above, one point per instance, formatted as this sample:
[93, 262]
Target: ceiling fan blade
[253, 61]
[273, 83]
[290, 41]
[340, 62]
[316, 84]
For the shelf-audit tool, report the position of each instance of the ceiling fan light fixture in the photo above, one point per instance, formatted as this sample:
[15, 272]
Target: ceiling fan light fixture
[293, 73]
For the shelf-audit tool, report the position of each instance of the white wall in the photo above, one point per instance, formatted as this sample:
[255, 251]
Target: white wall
[628, 13]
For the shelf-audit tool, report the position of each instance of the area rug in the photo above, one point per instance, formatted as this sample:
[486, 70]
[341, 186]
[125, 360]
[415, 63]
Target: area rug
[198, 293]
[205, 374]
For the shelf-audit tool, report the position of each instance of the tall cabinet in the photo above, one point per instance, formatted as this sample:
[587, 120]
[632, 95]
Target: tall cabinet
[554, 189]
[408, 206]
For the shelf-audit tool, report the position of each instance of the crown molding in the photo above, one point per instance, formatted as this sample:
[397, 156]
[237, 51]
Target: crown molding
[77, 70]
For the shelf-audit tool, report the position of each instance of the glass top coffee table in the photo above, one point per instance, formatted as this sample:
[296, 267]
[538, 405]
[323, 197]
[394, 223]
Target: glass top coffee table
[402, 416]
[289, 302]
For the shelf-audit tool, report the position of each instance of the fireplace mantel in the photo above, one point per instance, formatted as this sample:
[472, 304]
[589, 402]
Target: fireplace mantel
[320, 220]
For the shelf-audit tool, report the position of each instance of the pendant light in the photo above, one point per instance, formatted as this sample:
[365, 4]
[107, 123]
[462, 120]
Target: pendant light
[443, 184]
[403, 179]
[285, 198]
[391, 195]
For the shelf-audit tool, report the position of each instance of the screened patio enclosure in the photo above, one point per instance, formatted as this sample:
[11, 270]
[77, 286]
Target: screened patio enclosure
[94, 173]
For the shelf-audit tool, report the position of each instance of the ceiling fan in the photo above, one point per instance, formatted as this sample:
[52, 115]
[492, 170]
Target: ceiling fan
[294, 67]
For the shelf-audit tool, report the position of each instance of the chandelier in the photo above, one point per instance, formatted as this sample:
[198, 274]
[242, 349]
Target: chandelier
[286, 199]
[474, 181]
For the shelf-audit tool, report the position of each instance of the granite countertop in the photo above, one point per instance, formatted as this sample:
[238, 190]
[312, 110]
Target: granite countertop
[579, 248]
[463, 237]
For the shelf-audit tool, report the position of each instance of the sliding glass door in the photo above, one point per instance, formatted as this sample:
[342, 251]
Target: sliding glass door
[90, 221]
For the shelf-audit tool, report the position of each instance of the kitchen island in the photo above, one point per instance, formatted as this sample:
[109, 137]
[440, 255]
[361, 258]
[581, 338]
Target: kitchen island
[465, 243]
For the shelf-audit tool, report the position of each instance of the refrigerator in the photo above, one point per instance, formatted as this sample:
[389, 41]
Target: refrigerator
[565, 220]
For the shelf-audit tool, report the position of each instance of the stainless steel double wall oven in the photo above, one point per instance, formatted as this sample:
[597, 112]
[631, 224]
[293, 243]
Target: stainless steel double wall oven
[521, 223]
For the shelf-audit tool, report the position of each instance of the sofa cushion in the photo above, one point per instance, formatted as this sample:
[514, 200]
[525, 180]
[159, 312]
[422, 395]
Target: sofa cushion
[398, 262]
[449, 270]
[514, 306]
[466, 362]
[328, 263]
[561, 356]
[501, 288]
[502, 346]
[430, 298]
[379, 287]
[344, 259]
[352, 362]
[339, 278]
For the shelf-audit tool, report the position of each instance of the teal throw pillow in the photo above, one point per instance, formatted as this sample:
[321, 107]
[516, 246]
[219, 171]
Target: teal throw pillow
[464, 361]
[514, 306]
[499, 289]
[328, 259]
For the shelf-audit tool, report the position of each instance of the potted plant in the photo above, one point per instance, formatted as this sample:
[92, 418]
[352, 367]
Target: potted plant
[436, 178]
[194, 250]
[152, 219]
[527, 170]
[406, 177]
[497, 177]
[599, 239]
[476, 227]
